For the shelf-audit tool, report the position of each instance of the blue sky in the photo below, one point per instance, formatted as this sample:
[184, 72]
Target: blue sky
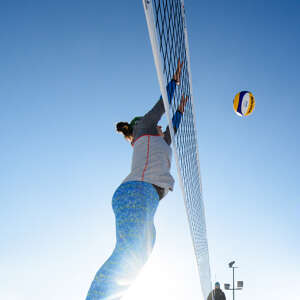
[70, 70]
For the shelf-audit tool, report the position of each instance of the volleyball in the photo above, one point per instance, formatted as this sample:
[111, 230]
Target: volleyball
[243, 103]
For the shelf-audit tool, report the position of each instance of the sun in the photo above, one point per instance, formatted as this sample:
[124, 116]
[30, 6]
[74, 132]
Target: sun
[157, 281]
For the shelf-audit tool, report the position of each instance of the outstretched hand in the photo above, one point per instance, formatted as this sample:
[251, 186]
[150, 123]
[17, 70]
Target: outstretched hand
[177, 74]
[182, 104]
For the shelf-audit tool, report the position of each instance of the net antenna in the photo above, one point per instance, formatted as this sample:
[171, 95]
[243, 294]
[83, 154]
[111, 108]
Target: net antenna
[169, 40]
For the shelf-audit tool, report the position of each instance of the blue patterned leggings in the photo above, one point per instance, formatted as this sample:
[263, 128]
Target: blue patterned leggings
[134, 204]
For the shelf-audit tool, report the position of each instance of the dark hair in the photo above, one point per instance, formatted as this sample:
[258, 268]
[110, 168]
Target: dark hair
[125, 128]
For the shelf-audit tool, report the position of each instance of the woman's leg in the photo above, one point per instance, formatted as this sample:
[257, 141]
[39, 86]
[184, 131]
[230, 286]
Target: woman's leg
[134, 204]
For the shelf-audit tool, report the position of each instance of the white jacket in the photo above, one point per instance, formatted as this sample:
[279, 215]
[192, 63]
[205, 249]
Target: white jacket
[152, 154]
[151, 162]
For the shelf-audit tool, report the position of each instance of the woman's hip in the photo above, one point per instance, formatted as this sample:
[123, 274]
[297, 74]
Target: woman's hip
[135, 195]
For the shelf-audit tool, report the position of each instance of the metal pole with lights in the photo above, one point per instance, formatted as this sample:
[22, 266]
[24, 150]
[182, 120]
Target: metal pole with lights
[240, 284]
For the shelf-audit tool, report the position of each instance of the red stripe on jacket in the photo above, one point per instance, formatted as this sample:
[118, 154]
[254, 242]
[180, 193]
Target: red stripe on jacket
[147, 159]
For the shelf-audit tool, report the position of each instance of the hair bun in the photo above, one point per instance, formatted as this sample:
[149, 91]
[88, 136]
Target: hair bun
[120, 126]
[125, 128]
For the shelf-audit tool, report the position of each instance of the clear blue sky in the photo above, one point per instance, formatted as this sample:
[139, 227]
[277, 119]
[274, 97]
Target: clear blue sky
[69, 70]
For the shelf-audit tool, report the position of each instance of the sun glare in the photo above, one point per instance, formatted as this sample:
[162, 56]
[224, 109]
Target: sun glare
[157, 281]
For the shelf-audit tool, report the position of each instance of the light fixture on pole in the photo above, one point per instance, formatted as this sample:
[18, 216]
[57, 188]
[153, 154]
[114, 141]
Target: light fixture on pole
[240, 284]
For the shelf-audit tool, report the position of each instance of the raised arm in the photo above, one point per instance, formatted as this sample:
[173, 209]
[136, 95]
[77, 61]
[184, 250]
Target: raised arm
[176, 119]
[154, 115]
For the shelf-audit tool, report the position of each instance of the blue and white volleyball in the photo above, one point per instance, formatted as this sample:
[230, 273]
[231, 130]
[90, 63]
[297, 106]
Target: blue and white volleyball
[243, 103]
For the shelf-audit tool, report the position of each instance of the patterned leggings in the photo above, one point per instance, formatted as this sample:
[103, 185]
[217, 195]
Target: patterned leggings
[134, 204]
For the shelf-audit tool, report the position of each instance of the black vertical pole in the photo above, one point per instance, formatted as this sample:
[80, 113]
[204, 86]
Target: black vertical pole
[233, 282]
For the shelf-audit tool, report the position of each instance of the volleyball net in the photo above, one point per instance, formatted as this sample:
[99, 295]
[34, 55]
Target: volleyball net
[169, 40]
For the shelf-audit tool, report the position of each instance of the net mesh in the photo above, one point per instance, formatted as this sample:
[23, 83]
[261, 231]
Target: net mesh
[168, 35]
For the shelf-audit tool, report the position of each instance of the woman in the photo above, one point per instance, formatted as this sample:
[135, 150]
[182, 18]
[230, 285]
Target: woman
[136, 199]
